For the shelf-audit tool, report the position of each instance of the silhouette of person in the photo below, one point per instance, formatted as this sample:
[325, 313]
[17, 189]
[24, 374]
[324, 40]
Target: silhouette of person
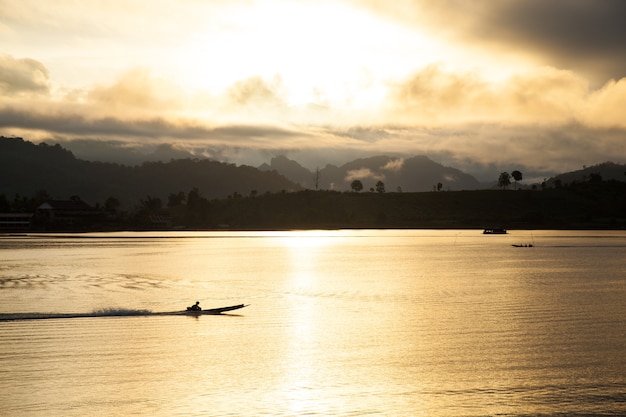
[195, 307]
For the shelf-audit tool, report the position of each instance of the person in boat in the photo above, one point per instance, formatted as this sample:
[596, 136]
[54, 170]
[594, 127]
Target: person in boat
[195, 307]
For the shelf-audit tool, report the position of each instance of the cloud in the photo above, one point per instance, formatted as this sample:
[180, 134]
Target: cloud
[542, 96]
[139, 90]
[587, 36]
[361, 174]
[255, 92]
[480, 148]
[22, 76]
[605, 107]
[395, 165]
[137, 21]
[432, 95]
[156, 128]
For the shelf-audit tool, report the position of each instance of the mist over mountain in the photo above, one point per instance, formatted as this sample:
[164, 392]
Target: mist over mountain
[120, 153]
[136, 153]
[415, 174]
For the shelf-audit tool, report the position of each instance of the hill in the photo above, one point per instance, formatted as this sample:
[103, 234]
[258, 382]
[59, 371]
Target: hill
[604, 171]
[413, 174]
[28, 169]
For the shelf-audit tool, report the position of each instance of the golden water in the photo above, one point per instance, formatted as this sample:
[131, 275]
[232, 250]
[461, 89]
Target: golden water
[385, 323]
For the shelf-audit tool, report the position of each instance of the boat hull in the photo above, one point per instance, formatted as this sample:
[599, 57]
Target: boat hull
[495, 231]
[214, 311]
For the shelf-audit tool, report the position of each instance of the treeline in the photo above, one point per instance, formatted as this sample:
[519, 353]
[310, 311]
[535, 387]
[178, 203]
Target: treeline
[590, 205]
[580, 206]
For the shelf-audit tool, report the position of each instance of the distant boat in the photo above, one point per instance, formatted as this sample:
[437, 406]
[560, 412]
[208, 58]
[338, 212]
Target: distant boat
[528, 245]
[495, 231]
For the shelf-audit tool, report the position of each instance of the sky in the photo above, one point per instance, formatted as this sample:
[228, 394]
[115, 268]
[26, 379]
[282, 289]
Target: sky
[481, 85]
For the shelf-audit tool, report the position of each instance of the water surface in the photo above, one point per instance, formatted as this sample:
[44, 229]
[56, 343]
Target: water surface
[417, 322]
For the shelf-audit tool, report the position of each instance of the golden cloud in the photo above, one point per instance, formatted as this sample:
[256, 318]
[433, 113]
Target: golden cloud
[138, 90]
[544, 96]
[605, 107]
[23, 76]
[362, 173]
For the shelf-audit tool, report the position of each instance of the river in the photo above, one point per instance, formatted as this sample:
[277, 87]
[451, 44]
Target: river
[338, 323]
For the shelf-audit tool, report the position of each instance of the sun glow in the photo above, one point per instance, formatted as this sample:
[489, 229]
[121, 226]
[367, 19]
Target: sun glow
[304, 250]
[323, 53]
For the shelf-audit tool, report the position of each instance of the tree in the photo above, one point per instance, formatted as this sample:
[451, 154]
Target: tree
[380, 187]
[176, 199]
[517, 176]
[316, 179]
[439, 186]
[151, 204]
[595, 178]
[111, 204]
[356, 186]
[198, 209]
[5, 205]
[195, 201]
[504, 180]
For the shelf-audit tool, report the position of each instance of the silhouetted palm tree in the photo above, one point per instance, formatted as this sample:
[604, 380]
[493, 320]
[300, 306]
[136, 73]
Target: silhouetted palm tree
[517, 176]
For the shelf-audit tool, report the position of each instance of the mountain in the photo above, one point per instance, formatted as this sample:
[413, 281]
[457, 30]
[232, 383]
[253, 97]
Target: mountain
[27, 169]
[290, 169]
[118, 153]
[606, 171]
[413, 174]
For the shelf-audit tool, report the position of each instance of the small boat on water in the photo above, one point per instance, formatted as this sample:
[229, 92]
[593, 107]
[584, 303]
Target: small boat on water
[527, 245]
[212, 311]
[494, 231]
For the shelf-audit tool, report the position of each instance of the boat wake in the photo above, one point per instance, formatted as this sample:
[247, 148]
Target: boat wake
[113, 312]
[98, 313]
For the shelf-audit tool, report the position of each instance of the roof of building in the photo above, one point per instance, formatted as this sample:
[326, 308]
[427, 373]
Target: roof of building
[74, 203]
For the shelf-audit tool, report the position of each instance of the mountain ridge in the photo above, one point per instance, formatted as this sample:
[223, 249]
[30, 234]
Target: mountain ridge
[29, 169]
[413, 174]
[487, 173]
